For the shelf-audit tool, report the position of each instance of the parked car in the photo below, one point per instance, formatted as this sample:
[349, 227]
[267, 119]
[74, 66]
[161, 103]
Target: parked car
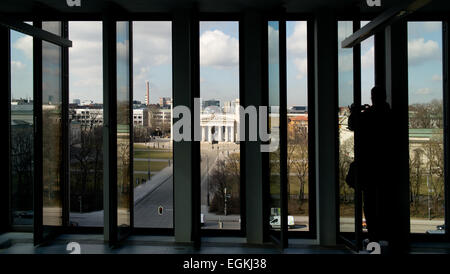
[440, 230]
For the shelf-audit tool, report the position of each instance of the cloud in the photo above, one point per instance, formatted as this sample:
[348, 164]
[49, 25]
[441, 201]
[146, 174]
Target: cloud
[302, 67]
[420, 51]
[297, 47]
[17, 65]
[436, 78]
[218, 49]
[152, 43]
[273, 44]
[25, 44]
[86, 60]
[345, 62]
[423, 91]
[368, 59]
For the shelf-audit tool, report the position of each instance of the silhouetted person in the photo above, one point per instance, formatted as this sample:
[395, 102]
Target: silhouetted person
[372, 124]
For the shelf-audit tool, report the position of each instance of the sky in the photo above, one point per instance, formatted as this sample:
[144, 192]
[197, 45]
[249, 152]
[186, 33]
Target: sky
[219, 61]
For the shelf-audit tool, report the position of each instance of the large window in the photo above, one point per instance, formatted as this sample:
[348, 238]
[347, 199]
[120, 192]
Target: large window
[220, 153]
[426, 109]
[22, 122]
[86, 124]
[123, 125]
[274, 127]
[346, 137]
[152, 125]
[297, 126]
[52, 146]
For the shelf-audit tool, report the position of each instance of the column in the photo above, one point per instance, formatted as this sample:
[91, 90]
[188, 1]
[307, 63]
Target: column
[256, 223]
[186, 153]
[220, 128]
[226, 134]
[203, 133]
[397, 95]
[325, 97]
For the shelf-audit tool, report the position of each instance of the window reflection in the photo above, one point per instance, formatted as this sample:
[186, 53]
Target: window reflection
[274, 125]
[51, 127]
[123, 125]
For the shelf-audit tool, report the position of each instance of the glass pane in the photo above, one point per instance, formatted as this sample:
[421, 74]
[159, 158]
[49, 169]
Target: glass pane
[51, 127]
[22, 122]
[274, 125]
[367, 83]
[346, 137]
[152, 125]
[123, 125]
[86, 124]
[367, 68]
[426, 133]
[297, 121]
[220, 150]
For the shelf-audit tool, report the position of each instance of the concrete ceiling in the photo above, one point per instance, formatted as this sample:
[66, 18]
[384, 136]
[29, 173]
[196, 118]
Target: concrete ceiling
[137, 6]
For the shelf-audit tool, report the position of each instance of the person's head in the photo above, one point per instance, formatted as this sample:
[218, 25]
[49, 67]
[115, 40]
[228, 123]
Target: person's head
[378, 96]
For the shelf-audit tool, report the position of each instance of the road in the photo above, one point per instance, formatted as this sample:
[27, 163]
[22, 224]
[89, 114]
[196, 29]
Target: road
[146, 210]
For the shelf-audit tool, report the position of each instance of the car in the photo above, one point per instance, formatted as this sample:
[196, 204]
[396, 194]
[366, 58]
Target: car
[202, 219]
[440, 230]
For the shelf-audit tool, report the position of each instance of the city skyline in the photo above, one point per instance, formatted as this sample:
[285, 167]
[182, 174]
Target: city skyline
[152, 62]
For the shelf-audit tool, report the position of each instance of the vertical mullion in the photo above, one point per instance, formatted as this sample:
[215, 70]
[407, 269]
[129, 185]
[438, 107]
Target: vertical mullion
[5, 63]
[65, 178]
[311, 130]
[130, 99]
[242, 186]
[283, 132]
[110, 130]
[37, 125]
[446, 89]
[357, 102]
[195, 144]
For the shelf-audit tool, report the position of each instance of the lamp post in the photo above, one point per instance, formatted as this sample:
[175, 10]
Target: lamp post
[207, 181]
[428, 196]
[149, 173]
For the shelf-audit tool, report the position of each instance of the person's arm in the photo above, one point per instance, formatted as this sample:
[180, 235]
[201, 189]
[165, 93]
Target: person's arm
[352, 118]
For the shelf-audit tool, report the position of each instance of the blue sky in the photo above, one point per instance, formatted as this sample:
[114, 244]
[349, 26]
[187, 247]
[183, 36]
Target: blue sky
[219, 59]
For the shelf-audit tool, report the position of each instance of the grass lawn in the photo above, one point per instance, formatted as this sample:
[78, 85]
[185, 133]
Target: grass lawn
[154, 166]
[154, 154]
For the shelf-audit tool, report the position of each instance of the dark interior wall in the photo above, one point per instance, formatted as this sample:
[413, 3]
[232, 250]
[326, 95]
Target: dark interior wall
[342, 6]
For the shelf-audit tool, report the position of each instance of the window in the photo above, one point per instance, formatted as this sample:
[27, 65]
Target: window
[426, 109]
[346, 137]
[220, 150]
[22, 125]
[297, 126]
[153, 150]
[86, 135]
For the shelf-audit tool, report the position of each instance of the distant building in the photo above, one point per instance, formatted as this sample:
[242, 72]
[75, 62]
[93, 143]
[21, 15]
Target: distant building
[210, 103]
[165, 102]
[298, 109]
[76, 101]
